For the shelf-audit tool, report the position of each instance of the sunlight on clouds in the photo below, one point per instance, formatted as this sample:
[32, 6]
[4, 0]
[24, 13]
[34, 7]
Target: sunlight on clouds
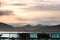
[17, 1]
[12, 19]
[20, 15]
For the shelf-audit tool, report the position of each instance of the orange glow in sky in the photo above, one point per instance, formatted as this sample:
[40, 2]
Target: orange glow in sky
[31, 11]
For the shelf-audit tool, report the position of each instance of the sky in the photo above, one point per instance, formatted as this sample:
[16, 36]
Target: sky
[16, 12]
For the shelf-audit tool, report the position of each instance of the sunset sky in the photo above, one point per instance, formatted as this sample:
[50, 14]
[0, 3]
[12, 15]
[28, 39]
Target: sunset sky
[17, 12]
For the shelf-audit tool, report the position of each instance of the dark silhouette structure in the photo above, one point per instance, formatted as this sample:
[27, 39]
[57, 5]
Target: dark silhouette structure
[24, 36]
[43, 35]
[0, 36]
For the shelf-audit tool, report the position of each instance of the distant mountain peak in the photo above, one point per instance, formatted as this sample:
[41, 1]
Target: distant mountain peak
[27, 25]
[4, 25]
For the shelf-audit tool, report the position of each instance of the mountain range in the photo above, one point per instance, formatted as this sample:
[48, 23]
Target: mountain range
[30, 28]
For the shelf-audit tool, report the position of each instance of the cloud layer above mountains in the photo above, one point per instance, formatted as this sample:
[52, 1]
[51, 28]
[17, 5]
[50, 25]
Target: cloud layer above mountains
[31, 11]
[6, 12]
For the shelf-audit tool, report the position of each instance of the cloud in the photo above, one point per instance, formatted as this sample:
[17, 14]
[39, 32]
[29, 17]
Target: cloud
[18, 4]
[39, 5]
[44, 8]
[0, 3]
[54, 18]
[33, 11]
[5, 12]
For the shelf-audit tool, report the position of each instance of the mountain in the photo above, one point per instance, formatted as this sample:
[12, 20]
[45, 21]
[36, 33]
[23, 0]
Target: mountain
[39, 26]
[4, 25]
[30, 28]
